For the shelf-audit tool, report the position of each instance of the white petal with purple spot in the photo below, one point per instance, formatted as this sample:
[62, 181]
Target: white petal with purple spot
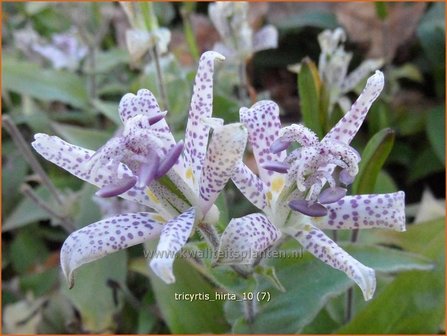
[173, 237]
[225, 152]
[345, 130]
[250, 185]
[197, 132]
[246, 237]
[325, 249]
[265, 38]
[385, 211]
[263, 124]
[104, 237]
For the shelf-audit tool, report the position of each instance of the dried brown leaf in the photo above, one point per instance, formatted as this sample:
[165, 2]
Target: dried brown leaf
[382, 37]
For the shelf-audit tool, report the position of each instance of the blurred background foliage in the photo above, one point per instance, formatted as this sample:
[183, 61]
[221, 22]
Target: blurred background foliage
[118, 294]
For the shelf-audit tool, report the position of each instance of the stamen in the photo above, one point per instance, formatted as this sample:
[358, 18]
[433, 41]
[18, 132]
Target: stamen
[331, 195]
[308, 209]
[170, 159]
[345, 177]
[279, 145]
[148, 171]
[121, 186]
[275, 166]
[156, 118]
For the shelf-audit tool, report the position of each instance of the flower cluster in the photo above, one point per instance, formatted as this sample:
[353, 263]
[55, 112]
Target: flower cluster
[64, 51]
[300, 194]
[131, 166]
[333, 67]
[239, 41]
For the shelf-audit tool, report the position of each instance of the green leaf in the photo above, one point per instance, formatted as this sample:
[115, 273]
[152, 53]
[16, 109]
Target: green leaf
[419, 295]
[322, 324]
[373, 158]
[109, 109]
[107, 60]
[14, 170]
[93, 297]
[21, 215]
[27, 250]
[381, 10]
[305, 296]
[420, 168]
[189, 317]
[436, 131]
[43, 84]
[385, 184]
[81, 136]
[309, 91]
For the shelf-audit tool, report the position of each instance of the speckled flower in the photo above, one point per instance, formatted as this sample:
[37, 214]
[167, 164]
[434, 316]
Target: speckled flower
[65, 51]
[139, 39]
[145, 165]
[333, 67]
[300, 194]
[239, 42]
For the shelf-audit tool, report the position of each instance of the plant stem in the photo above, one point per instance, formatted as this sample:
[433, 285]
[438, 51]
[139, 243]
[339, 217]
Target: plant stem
[243, 83]
[160, 81]
[250, 309]
[29, 192]
[349, 298]
[350, 293]
[189, 33]
[210, 234]
[23, 147]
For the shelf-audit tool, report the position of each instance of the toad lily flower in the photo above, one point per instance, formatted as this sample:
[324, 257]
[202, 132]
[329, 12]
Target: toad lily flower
[239, 42]
[333, 67]
[292, 190]
[133, 166]
[139, 39]
[65, 51]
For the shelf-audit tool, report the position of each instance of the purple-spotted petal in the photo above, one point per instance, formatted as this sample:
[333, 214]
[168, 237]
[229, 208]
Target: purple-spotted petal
[197, 132]
[265, 38]
[308, 209]
[263, 124]
[250, 185]
[173, 237]
[246, 237]
[345, 130]
[331, 195]
[225, 152]
[322, 247]
[144, 104]
[366, 211]
[75, 160]
[104, 237]
[362, 71]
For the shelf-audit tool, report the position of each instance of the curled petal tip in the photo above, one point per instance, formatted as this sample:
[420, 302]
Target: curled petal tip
[312, 210]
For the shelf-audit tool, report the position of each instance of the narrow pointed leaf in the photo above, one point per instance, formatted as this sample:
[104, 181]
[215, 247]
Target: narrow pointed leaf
[373, 157]
[309, 91]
